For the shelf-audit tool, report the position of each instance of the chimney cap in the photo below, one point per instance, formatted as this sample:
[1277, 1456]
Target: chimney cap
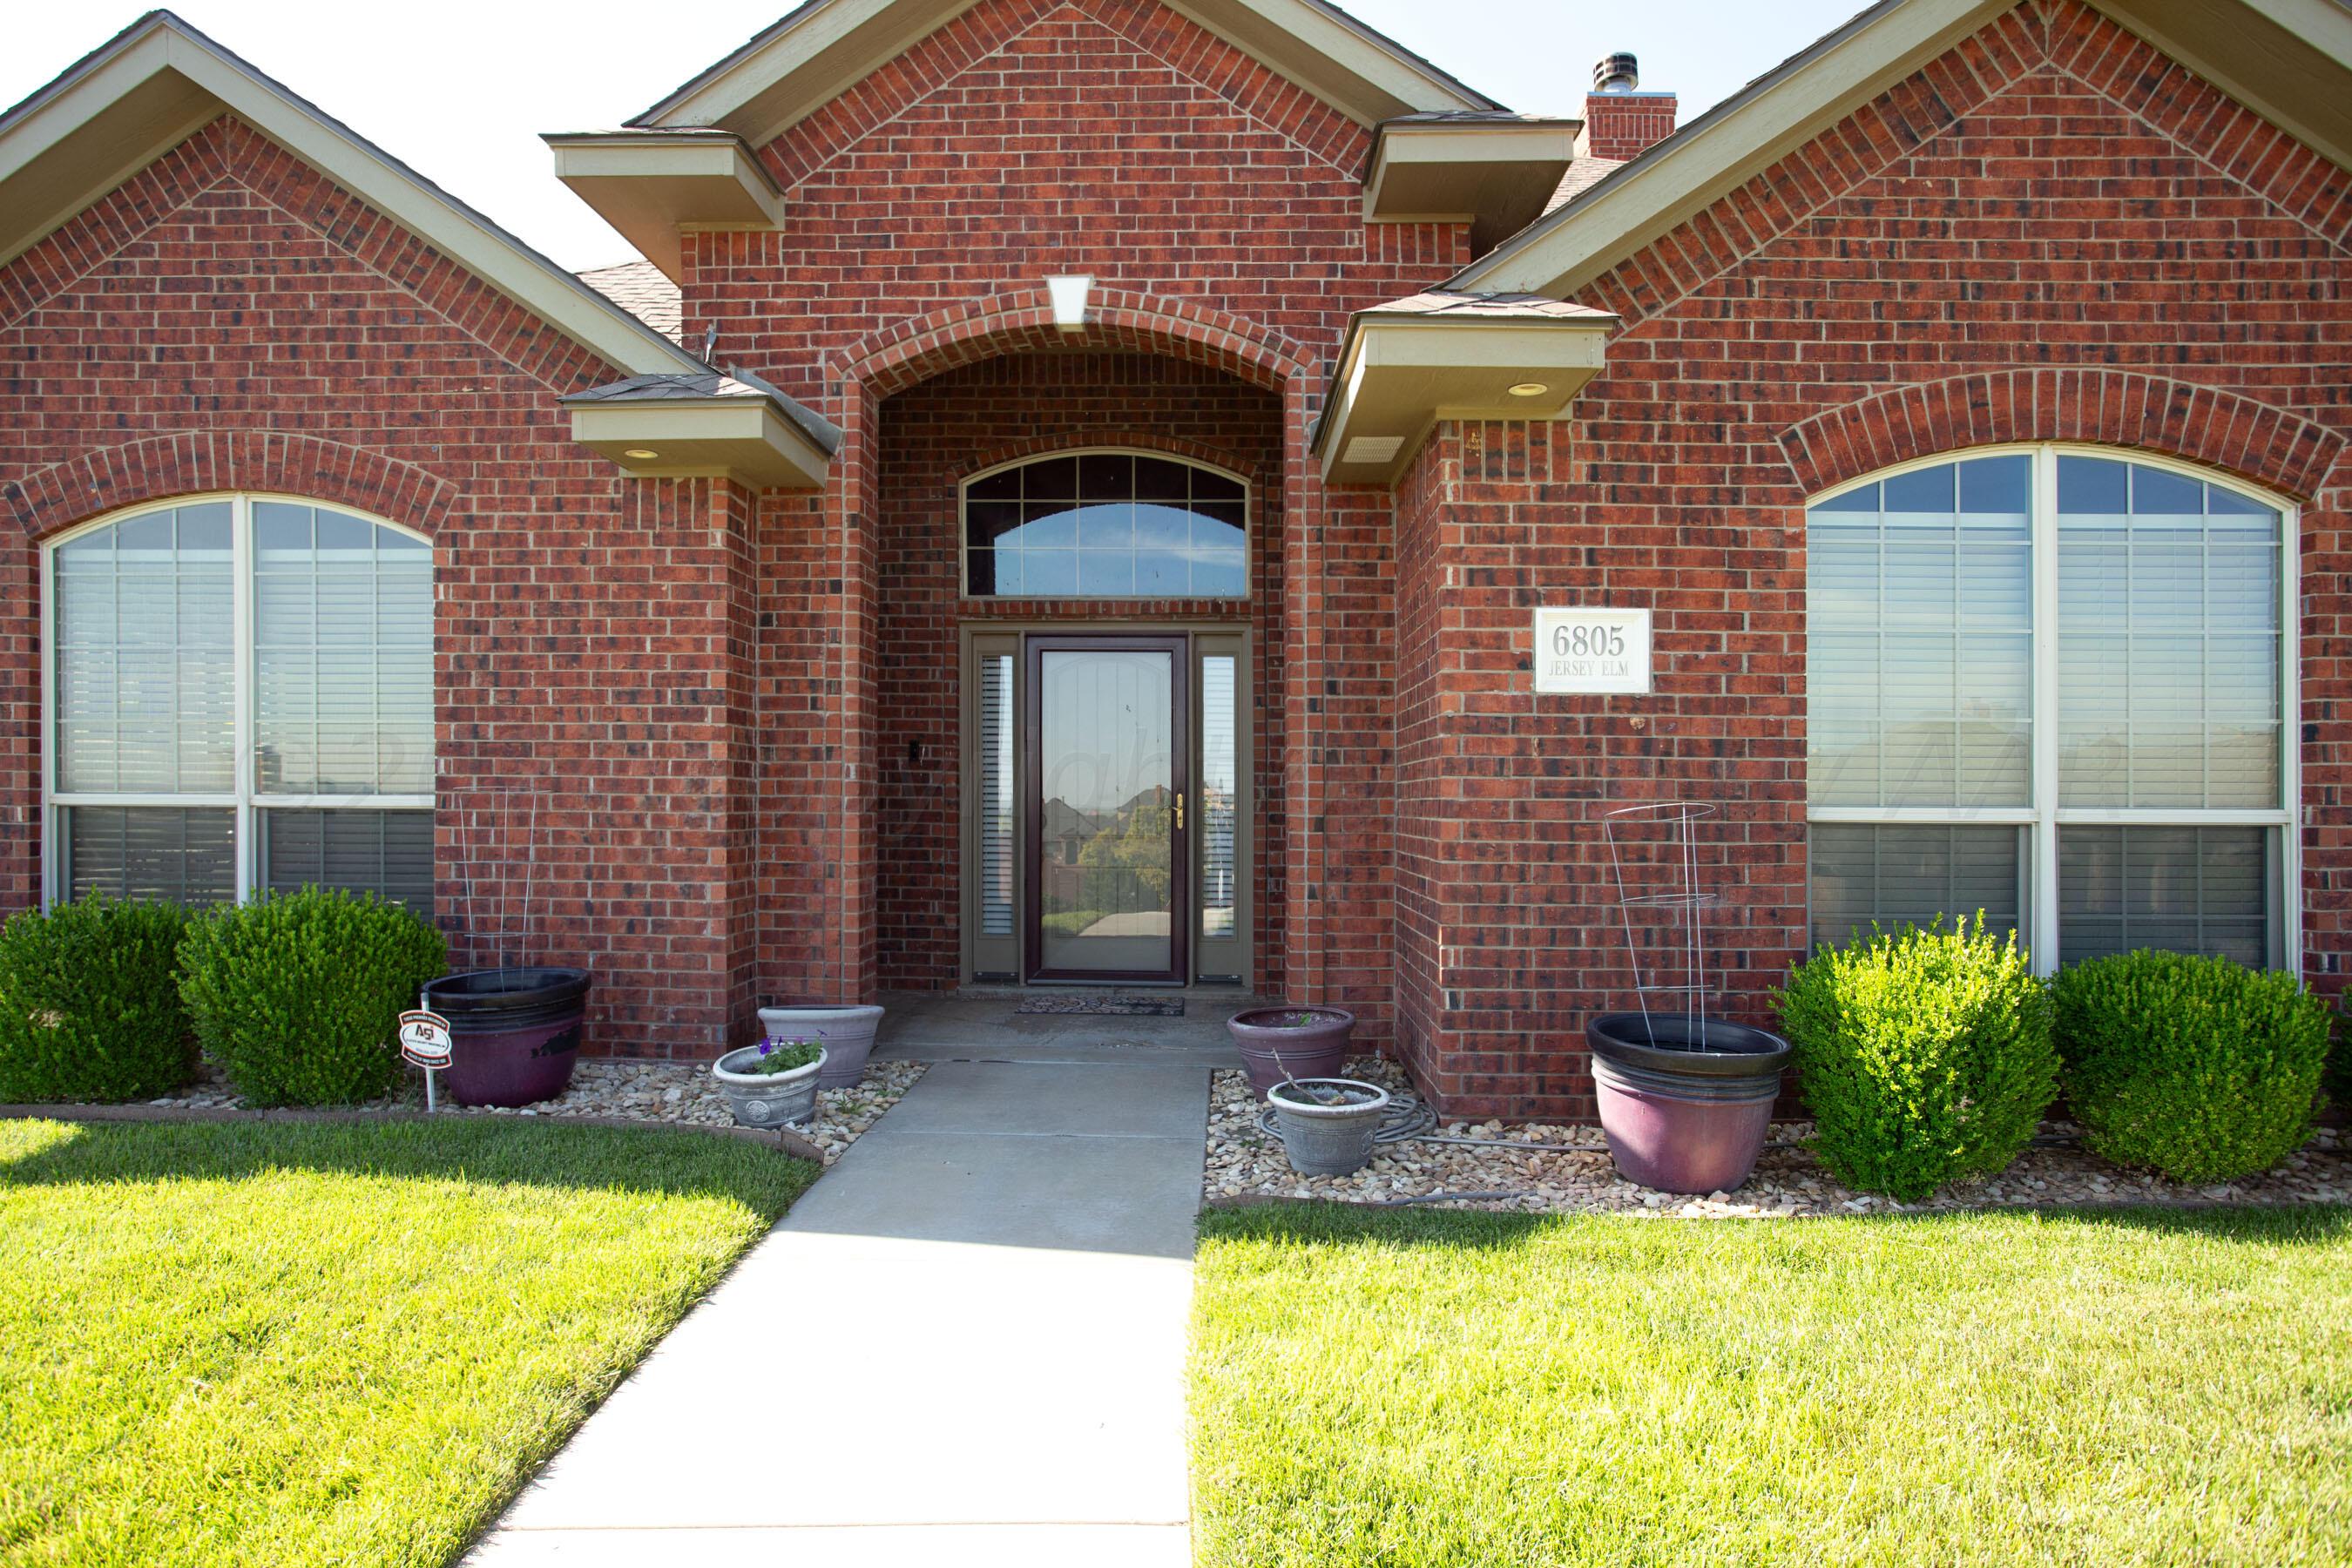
[1619, 72]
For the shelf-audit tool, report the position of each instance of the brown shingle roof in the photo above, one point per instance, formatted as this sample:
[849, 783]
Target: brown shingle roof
[638, 287]
[1582, 176]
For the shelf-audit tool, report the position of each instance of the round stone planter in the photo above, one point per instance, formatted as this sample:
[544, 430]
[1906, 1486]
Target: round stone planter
[768, 1098]
[514, 1034]
[845, 1032]
[1274, 1047]
[1328, 1139]
[1685, 1103]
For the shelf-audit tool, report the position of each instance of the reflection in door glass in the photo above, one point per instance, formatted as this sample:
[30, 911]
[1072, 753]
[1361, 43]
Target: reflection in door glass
[996, 795]
[1106, 861]
[1217, 796]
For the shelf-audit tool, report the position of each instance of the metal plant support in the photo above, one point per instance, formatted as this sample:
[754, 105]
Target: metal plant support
[1654, 859]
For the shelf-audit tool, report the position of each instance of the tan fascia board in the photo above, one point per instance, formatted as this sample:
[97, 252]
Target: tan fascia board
[1399, 376]
[2288, 61]
[653, 185]
[747, 439]
[819, 51]
[1456, 152]
[1727, 145]
[145, 67]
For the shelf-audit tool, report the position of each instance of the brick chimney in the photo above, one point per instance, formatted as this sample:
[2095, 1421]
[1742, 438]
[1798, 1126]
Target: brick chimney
[1620, 120]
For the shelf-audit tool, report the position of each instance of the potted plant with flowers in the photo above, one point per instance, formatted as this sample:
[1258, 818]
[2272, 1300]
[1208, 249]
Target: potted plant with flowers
[770, 1083]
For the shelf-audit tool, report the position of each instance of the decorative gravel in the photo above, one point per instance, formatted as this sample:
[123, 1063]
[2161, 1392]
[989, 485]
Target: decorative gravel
[1244, 1163]
[671, 1093]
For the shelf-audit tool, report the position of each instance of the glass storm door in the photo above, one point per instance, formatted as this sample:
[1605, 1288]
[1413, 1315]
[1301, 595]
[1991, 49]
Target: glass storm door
[1110, 869]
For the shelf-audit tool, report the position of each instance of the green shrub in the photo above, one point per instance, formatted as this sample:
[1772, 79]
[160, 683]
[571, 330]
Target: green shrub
[297, 996]
[2198, 1067]
[89, 1009]
[1923, 1056]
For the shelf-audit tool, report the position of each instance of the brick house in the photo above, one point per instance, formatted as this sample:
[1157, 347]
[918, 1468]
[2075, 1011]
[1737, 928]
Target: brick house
[1087, 490]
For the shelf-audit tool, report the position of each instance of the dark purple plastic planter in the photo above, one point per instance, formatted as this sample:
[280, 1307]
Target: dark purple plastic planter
[1685, 1102]
[514, 1033]
[1268, 1048]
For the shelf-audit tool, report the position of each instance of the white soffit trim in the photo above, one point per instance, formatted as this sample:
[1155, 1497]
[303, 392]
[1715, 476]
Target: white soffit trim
[651, 184]
[817, 52]
[2289, 61]
[145, 91]
[746, 439]
[1496, 174]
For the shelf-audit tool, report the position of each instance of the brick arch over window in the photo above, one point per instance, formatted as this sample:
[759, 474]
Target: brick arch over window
[2104, 408]
[900, 356]
[157, 467]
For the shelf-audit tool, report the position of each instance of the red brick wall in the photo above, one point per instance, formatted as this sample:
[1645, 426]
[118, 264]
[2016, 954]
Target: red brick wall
[2047, 233]
[935, 434]
[230, 319]
[1621, 124]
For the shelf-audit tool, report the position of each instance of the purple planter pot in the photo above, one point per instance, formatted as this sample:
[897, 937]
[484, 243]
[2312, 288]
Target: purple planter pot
[1268, 1048]
[1685, 1103]
[514, 1034]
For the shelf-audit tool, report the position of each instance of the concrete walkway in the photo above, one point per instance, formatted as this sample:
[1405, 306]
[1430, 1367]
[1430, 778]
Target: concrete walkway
[996, 1281]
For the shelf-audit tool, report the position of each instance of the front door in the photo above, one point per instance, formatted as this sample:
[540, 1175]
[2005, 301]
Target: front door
[1105, 747]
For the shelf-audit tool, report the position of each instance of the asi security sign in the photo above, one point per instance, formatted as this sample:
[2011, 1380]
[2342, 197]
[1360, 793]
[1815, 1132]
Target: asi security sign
[1592, 651]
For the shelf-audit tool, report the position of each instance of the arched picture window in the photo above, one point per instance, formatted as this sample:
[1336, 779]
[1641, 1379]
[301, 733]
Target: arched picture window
[1106, 525]
[2053, 684]
[240, 698]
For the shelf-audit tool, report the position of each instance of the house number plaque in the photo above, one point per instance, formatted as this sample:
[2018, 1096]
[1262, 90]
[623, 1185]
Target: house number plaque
[1589, 651]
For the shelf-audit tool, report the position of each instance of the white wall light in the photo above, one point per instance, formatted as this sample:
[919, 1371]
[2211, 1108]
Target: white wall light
[1069, 291]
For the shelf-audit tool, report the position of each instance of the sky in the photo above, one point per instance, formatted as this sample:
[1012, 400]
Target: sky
[460, 89]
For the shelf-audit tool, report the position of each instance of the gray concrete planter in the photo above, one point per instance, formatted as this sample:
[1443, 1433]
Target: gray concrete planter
[846, 1034]
[768, 1098]
[1328, 1139]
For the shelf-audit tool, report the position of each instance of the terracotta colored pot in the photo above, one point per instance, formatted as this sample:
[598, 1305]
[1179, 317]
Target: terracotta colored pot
[514, 1034]
[1268, 1045]
[1685, 1103]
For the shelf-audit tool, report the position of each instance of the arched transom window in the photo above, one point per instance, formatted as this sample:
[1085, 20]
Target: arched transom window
[1106, 525]
[2052, 684]
[240, 697]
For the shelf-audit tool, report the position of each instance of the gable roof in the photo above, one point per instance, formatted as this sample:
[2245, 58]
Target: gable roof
[807, 58]
[639, 287]
[155, 83]
[2288, 61]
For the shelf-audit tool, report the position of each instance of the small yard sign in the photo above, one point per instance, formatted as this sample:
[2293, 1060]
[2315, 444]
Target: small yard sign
[424, 1038]
[1592, 651]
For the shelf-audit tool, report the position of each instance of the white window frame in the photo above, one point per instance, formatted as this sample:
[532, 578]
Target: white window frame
[1249, 531]
[245, 800]
[2043, 819]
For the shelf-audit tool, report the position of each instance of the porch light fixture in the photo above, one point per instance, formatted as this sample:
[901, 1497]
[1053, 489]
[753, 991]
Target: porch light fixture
[1529, 389]
[1069, 291]
[639, 454]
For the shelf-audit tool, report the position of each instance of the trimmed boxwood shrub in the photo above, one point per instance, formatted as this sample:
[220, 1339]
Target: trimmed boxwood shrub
[1923, 1056]
[89, 1005]
[2198, 1067]
[299, 996]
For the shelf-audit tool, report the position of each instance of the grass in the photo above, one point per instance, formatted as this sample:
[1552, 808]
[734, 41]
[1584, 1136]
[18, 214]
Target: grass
[1399, 1388]
[295, 1344]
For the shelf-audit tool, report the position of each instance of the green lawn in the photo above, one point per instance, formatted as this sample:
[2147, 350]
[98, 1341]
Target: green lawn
[293, 1344]
[1411, 1387]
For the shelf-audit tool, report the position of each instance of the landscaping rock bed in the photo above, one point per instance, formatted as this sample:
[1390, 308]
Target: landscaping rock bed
[665, 1093]
[1244, 1163]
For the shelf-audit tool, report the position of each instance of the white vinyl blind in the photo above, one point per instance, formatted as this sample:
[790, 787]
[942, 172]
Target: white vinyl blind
[1863, 874]
[2187, 890]
[1218, 795]
[996, 827]
[2168, 611]
[1919, 619]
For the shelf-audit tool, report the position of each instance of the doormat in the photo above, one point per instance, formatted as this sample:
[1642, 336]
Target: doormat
[1117, 1006]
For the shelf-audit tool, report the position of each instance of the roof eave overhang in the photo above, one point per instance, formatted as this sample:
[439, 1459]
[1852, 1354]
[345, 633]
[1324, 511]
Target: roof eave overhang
[2289, 61]
[1496, 177]
[812, 55]
[152, 86]
[748, 439]
[653, 186]
[1399, 376]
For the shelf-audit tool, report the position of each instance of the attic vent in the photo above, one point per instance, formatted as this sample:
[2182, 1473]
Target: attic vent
[1372, 449]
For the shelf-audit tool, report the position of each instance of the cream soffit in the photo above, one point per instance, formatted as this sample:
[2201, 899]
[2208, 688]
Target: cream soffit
[2290, 60]
[811, 55]
[713, 423]
[1493, 172]
[650, 185]
[153, 84]
[1408, 364]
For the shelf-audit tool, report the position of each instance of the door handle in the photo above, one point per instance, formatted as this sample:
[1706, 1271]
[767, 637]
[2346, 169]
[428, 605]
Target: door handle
[1179, 811]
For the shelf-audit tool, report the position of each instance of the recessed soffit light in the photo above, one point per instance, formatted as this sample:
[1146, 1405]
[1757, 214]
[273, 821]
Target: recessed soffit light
[1529, 389]
[639, 454]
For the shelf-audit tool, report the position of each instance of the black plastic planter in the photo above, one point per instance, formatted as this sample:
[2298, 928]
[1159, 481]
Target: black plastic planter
[1685, 1103]
[514, 1033]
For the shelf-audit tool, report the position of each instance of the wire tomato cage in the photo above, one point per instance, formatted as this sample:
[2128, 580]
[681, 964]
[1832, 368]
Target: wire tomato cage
[1654, 863]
